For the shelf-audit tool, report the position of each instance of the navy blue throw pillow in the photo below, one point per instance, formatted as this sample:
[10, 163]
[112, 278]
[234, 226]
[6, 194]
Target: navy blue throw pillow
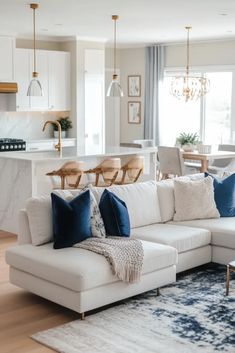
[71, 220]
[224, 191]
[115, 215]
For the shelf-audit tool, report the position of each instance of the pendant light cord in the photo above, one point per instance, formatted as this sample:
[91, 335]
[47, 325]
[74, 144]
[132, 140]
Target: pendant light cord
[115, 45]
[187, 64]
[34, 42]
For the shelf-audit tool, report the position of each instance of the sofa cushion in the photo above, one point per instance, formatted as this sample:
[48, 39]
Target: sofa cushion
[80, 269]
[224, 192]
[141, 200]
[71, 220]
[194, 199]
[115, 215]
[180, 237]
[222, 230]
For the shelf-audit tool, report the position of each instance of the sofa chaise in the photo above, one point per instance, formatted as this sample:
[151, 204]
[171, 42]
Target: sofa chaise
[82, 280]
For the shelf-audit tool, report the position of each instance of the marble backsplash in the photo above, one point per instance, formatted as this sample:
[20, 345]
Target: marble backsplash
[27, 125]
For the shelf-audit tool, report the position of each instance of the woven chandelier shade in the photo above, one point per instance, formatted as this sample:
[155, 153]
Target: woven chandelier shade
[189, 87]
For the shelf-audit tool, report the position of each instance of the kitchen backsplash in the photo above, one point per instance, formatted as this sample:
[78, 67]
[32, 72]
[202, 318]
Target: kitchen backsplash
[27, 125]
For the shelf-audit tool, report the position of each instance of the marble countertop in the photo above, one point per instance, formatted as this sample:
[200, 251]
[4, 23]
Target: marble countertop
[75, 153]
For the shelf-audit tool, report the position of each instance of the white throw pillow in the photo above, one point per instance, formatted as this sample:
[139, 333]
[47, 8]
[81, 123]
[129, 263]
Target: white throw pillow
[165, 191]
[194, 199]
[40, 219]
[97, 224]
[141, 200]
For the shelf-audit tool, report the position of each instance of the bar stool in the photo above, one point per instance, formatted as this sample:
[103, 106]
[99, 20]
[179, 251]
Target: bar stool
[108, 169]
[70, 174]
[132, 170]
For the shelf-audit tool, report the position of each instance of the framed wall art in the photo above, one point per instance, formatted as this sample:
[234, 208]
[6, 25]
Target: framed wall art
[134, 112]
[134, 86]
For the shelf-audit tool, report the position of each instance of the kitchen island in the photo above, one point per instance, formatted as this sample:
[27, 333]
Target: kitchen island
[23, 174]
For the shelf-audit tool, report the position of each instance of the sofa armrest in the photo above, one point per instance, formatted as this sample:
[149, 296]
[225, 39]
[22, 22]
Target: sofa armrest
[24, 236]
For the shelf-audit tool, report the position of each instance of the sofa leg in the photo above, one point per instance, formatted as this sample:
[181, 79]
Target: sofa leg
[82, 316]
[158, 292]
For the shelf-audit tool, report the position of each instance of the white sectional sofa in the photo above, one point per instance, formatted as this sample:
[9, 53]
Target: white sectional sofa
[82, 280]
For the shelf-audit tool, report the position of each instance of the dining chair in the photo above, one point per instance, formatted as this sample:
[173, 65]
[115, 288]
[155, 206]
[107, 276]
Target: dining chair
[108, 169]
[131, 171]
[70, 175]
[221, 166]
[171, 163]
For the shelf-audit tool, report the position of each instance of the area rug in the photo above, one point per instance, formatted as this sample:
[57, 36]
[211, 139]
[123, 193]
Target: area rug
[192, 315]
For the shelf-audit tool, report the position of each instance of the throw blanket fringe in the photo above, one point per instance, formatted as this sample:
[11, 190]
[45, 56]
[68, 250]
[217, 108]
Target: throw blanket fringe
[124, 255]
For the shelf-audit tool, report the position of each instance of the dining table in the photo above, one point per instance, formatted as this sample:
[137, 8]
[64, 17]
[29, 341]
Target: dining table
[205, 158]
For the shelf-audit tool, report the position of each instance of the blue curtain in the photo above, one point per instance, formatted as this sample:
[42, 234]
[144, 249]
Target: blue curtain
[154, 73]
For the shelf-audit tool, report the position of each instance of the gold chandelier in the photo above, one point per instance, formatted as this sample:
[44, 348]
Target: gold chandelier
[189, 87]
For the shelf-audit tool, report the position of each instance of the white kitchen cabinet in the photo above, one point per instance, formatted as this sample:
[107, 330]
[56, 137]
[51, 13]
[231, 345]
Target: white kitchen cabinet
[7, 57]
[22, 76]
[54, 75]
[59, 81]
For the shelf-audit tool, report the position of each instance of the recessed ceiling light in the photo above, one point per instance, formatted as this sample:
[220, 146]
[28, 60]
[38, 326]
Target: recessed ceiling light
[229, 31]
[58, 24]
[223, 14]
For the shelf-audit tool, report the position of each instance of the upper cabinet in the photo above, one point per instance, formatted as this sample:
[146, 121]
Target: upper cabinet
[59, 80]
[7, 51]
[54, 75]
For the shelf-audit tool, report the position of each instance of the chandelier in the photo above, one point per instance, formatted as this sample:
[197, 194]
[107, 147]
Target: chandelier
[189, 87]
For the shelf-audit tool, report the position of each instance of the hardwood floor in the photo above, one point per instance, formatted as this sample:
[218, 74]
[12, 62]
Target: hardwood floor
[22, 313]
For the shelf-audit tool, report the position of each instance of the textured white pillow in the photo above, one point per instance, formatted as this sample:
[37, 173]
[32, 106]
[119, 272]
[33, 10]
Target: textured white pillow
[40, 219]
[165, 191]
[141, 200]
[194, 199]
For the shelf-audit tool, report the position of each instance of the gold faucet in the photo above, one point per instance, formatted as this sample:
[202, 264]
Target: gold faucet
[58, 146]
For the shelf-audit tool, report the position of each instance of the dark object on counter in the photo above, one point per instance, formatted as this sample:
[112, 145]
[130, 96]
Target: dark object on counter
[9, 144]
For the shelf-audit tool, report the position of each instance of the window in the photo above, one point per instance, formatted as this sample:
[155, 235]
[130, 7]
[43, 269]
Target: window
[211, 116]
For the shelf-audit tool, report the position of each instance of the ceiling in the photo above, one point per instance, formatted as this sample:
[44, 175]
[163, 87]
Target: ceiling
[141, 21]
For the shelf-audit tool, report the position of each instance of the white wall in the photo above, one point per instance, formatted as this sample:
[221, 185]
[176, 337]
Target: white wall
[201, 54]
[132, 62]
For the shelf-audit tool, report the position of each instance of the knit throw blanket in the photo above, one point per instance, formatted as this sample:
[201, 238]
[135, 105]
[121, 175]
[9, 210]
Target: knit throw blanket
[124, 255]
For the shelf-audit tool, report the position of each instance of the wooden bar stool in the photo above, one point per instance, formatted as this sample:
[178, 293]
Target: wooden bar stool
[70, 174]
[132, 170]
[108, 169]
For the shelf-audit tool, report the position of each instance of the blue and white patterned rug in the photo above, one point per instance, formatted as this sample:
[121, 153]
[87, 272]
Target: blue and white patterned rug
[190, 316]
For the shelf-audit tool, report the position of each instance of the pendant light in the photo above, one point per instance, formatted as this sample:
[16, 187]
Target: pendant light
[35, 87]
[115, 90]
[189, 87]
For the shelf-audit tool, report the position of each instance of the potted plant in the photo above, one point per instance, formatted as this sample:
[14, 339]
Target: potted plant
[188, 141]
[65, 124]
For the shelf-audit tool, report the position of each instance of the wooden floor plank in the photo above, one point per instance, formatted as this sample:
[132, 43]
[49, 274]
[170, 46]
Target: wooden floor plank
[23, 314]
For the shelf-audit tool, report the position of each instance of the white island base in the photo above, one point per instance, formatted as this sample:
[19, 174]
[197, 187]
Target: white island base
[23, 175]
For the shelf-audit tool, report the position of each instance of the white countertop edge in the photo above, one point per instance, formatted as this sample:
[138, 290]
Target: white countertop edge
[45, 156]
